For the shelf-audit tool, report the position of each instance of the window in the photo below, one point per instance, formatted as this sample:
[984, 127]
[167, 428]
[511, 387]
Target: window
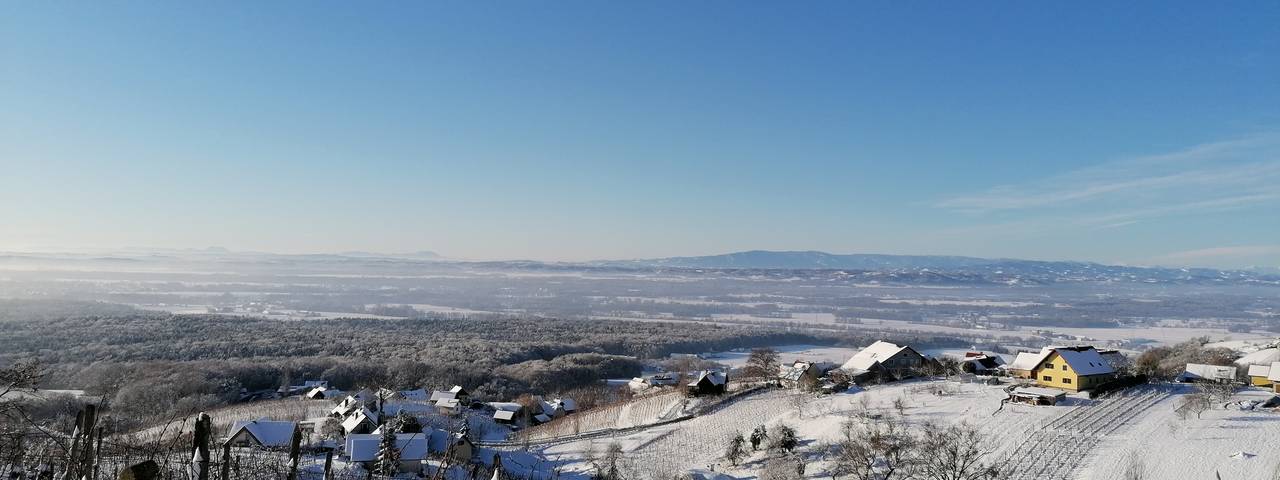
[1066, 380]
[1064, 367]
[1047, 378]
[1048, 365]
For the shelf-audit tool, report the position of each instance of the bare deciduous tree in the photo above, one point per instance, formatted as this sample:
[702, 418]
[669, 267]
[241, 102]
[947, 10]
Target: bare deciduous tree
[763, 363]
[957, 452]
[875, 450]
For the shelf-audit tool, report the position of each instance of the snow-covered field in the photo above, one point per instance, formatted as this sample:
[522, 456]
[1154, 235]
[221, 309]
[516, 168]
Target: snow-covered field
[1224, 443]
[1078, 439]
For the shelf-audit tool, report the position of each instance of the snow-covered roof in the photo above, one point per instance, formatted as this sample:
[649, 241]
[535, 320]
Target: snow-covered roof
[504, 415]
[1259, 370]
[1261, 357]
[409, 408]
[360, 416]
[443, 395]
[448, 403]
[506, 406]
[1114, 358]
[984, 361]
[457, 390]
[716, 378]
[1084, 360]
[1030, 360]
[876, 352]
[364, 448]
[1209, 372]
[1039, 392]
[268, 433]
[1274, 373]
[315, 383]
[567, 404]
[417, 395]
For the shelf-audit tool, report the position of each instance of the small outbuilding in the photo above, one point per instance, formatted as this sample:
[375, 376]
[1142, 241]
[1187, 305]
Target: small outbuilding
[709, 382]
[1037, 395]
[1197, 372]
[262, 433]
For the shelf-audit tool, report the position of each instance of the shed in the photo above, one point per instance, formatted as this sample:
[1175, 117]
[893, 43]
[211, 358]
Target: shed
[261, 433]
[1037, 395]
[1197, 372]
[709, 382]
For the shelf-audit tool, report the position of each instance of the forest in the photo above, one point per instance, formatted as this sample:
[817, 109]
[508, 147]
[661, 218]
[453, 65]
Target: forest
[150, 365]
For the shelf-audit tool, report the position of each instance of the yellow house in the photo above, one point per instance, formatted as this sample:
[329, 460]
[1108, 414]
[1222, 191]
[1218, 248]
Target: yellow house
[1073, 369]
[1265, 376]
[1258, 375]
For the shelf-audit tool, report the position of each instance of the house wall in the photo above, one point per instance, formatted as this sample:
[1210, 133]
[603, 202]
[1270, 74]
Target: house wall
[1260, 381]
[1054, 372]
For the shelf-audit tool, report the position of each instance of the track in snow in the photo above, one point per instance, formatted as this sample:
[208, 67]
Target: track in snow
[1058, 448]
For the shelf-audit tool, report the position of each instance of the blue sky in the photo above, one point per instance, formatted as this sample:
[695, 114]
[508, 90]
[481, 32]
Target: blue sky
[1144, 133]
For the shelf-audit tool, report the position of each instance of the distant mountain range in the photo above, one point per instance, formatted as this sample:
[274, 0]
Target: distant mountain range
[811, 260]
[950, 269]
[850, 268]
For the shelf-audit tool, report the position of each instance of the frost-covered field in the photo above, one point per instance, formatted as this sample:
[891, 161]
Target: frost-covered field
[1078, 439]
[1226, 443]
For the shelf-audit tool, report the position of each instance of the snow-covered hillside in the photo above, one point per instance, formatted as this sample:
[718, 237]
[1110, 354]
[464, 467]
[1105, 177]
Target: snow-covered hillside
[1077, 439]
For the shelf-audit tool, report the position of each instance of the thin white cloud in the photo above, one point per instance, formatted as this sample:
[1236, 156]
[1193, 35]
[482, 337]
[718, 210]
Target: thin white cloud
[1247, 168]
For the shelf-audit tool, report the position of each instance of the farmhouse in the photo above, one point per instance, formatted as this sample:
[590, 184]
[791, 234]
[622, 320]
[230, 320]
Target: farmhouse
[709, 382]
[261, 433]
[900, 361]
[346, 407]
[802, 375]
[1196, 372]
[363, 449]
[1073, 369]
[361, 421]
[451, 400]
[979, 363]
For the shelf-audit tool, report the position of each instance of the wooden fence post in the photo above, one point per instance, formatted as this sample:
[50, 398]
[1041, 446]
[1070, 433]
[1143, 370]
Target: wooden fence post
[295, 446]
[200, 445]
[226, 461]
[97, 455]
[328, 465]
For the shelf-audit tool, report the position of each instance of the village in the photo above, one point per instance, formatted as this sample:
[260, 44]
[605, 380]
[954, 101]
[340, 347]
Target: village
[694, 424]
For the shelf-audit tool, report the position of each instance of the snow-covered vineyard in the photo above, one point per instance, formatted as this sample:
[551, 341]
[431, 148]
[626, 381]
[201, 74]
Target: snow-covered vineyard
[1057, 413]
